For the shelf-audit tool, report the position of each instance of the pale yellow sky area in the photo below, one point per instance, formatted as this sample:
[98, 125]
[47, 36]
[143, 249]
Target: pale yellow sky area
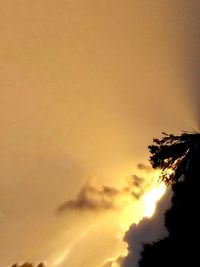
[84, 87]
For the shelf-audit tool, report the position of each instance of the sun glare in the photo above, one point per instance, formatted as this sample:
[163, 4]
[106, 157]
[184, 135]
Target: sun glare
[151, 198]
[130, 211]
[135, 211]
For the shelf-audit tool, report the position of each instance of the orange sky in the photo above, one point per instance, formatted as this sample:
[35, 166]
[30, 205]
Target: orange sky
[84, 86]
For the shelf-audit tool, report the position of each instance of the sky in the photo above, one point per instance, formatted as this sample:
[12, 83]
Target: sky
[84, 87]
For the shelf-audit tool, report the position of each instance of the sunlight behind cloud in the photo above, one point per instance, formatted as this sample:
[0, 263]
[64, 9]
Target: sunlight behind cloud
[135, 211]
[85, 87]
[111, 223]
[150, 199]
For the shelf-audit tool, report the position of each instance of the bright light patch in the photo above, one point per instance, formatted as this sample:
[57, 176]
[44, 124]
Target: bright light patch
[150, 199]
[61, 258]
[129, 210]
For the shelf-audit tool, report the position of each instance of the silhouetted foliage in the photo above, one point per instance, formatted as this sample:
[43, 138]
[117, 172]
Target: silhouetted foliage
[182, 154]
[171, 154]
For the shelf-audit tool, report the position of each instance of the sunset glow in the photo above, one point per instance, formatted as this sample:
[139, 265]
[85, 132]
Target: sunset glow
[150, 199]
[85, 86]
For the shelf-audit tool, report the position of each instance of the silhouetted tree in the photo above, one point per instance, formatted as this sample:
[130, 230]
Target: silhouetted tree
[178, 157]
[171, 154]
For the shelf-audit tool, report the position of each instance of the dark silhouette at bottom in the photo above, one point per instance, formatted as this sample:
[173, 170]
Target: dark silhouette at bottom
[28, 264]
[181, 247]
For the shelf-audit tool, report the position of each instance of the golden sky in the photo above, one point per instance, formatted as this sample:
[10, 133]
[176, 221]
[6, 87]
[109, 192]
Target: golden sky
[84, 86]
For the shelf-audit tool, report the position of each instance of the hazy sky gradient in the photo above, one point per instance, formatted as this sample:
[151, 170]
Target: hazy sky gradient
[84, 86]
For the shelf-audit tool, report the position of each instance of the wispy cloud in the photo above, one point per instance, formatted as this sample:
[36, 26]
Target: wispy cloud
[146, 168]
[93, 197]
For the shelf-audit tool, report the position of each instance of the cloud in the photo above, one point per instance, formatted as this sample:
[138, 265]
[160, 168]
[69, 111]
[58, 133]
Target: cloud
[147, 231]
[93, 197]
[146, 168]
[113, 262]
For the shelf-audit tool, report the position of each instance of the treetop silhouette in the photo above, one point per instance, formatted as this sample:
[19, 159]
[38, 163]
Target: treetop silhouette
[171, 154]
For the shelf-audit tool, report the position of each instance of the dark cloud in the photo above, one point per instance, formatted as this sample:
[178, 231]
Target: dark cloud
[92, 197]
[147, 231]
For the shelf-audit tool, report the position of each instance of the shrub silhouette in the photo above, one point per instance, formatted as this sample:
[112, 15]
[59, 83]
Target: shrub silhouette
[27, 264]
